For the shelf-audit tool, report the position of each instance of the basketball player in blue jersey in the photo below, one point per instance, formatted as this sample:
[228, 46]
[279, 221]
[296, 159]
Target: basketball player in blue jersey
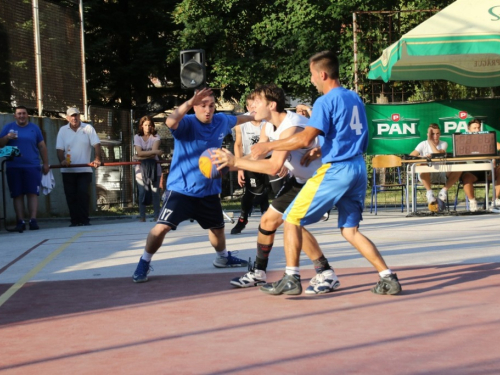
[339, 120]
[189, 194]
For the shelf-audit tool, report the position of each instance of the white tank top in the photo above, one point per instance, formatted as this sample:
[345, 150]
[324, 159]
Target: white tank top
[300, 172]
[250, 135]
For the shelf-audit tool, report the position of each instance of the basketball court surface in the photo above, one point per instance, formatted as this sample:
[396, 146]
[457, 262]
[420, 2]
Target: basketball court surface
[68, 304]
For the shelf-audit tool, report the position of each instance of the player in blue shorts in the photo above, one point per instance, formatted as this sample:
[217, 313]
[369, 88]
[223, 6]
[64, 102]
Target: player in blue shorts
[338, 118]
[189, 194]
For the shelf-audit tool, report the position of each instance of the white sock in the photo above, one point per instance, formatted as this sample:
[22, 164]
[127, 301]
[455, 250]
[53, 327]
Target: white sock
[430, 193]
[222, 253]
[147, 256]
[292, 270]
[385, 273]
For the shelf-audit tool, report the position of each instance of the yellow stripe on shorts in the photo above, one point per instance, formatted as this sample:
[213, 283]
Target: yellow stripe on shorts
[303, 201]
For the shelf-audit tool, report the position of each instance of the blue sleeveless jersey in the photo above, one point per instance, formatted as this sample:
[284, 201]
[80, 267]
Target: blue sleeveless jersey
[341, 117]
[191, 138]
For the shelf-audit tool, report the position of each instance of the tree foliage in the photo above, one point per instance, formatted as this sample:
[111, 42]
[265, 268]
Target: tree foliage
[247, 42]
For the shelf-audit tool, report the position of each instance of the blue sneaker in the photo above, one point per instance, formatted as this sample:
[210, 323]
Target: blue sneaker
[141, 272]
[33, 224]
[229, 261]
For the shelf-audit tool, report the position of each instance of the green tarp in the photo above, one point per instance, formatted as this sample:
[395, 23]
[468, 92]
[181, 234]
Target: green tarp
[460, 44]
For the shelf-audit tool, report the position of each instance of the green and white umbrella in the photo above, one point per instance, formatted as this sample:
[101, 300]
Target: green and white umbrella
[461, 44]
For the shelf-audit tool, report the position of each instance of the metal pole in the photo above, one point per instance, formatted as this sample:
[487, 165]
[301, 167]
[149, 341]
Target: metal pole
[84, 67]
[355, 49]
[38, 56]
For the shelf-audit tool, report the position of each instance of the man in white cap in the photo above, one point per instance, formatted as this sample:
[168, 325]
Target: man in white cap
[74, 146]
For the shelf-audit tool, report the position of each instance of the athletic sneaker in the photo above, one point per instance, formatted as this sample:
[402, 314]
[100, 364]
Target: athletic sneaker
[252, 278]
[289, 284]
[324, 282]
[229, 261]
[473, 205]
[20, 226]
[388, 285]
[141, 272]
[33, 224]
[430, 197]
[240, 225]
[325, 216]
[442, 198]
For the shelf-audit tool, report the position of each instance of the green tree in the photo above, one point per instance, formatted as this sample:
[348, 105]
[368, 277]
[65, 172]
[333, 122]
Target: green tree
[127, 42]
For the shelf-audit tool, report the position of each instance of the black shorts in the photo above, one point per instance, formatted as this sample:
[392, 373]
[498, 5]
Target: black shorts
[178, 207]
[286, 195]
[255, 183]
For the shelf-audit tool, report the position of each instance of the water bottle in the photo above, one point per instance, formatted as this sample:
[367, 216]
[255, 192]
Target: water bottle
[68, 157]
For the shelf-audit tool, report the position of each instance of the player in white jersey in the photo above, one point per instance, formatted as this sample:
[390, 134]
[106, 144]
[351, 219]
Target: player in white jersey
[255, 184]
[269, 104]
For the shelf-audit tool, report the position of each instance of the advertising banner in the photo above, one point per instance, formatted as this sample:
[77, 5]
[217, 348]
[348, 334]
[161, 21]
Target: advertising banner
[399, 128]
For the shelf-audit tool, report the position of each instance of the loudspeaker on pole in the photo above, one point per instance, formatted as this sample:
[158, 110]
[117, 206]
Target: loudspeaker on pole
[193, 73]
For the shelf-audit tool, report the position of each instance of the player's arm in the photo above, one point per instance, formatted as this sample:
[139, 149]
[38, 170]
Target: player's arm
[238, 152]
[241, 119]
[270, 166]
[177, 115]
[298, 140]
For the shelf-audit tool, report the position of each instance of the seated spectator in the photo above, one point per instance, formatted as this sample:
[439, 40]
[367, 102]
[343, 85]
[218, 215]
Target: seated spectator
[433, 145]
[469, 178]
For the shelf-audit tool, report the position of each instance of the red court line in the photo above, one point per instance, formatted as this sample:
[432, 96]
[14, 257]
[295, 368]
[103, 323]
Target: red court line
[21, 256]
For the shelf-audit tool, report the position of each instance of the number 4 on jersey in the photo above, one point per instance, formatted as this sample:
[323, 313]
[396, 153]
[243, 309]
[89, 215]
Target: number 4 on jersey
[355, 123]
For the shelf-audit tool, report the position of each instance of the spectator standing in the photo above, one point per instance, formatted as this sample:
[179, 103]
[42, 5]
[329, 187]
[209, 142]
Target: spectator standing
[24, 173]
[148, 174]
[74, 145]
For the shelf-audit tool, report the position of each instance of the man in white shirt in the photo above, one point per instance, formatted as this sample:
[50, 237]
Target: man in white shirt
[74, 145]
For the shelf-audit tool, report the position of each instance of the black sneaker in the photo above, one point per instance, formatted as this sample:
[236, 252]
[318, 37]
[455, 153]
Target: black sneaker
[33, 225]
[21, 226]
[289, 284]
[388, 285]
[240, 225]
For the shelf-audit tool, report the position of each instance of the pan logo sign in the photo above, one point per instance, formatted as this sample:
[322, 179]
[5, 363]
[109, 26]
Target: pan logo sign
[395, 127]
[457, 123]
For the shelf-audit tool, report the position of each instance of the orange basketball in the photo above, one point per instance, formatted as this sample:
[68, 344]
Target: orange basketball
[208, 169]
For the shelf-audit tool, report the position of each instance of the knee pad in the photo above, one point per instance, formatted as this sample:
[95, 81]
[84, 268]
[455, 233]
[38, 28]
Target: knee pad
[266, 232]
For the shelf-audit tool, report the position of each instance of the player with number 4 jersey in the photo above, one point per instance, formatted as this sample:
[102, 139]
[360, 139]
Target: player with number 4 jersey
[339, 120]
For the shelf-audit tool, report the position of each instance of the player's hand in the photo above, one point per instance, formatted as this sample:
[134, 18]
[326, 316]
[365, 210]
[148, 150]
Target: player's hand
[311, 155]
[223, 158]
[241, 178]
[96, 163]
[199, 95]
[259, 149]
[283, 172]
[45, 169]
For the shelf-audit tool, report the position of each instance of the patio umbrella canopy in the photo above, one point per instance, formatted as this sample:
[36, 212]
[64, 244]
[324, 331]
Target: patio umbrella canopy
[459, 44]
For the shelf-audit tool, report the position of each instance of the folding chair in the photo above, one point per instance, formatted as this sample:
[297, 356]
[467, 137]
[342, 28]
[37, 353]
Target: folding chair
[391, 166]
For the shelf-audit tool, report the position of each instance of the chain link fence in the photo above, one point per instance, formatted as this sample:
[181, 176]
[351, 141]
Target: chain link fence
[51, 31]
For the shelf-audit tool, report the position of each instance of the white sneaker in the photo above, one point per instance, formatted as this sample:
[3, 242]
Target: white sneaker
[442, 195]
[324, 282]
[430, 197]
[473, 205]
[251, 278]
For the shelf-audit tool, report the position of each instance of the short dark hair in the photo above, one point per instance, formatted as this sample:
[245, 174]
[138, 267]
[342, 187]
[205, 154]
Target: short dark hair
[142, 121]
[273, 93]
[20, 107]
[326, 61]
[434, 126]
[474, 121]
